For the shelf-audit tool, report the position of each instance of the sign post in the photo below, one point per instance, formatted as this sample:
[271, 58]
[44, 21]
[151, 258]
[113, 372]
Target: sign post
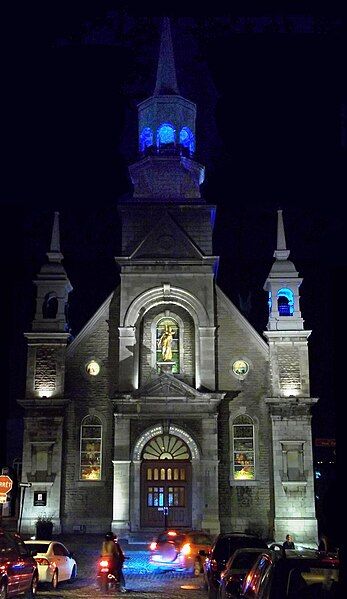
[5, 487]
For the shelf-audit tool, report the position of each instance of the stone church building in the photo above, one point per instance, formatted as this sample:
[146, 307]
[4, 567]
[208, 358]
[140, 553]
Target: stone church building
[168, 408]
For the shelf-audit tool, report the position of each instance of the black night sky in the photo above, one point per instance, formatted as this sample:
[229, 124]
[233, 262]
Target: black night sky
[272, 131]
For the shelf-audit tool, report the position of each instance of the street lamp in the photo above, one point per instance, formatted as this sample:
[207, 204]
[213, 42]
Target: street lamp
[23, 486]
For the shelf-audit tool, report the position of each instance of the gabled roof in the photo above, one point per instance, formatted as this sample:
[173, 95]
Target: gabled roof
[167, 240]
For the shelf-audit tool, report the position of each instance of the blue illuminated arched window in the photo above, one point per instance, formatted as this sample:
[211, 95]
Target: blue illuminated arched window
[269, 301]
[187, 139]
[146, 138]
[165, 134]
[285, 301]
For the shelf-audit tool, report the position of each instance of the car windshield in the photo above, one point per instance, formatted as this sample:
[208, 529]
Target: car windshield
[226, 546]
[245, 560]
[37, 547]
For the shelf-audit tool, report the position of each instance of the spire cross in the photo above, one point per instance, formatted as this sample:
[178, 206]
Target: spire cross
[166, 83]
[281, 253]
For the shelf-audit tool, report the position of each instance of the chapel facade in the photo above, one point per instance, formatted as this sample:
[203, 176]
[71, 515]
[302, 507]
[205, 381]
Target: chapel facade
[168, 408]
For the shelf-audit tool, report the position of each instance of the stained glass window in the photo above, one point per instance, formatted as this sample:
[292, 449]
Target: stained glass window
[243, 448]
[166, 447]
[91, 448]
[146, 138]
[167, 342]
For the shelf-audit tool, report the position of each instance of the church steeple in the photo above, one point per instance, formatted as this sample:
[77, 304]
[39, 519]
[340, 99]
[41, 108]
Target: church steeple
[166, 169]
[166, 83]
[53, 287]
[283, 285]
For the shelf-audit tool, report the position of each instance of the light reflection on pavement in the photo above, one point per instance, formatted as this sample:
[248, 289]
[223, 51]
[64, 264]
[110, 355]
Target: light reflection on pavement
[142, 581]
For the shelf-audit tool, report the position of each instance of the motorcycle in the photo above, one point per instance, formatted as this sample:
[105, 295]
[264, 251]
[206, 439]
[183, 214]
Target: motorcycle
[106, 578]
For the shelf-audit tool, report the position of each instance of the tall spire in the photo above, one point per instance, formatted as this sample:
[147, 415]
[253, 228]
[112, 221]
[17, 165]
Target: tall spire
[54, 254]
[281, 253]
[166, 83]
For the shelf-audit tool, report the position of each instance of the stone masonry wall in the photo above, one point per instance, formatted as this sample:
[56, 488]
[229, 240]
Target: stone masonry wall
[243, 504]
[88, 503]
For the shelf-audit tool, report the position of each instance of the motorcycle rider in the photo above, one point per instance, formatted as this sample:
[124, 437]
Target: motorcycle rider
[113, 551]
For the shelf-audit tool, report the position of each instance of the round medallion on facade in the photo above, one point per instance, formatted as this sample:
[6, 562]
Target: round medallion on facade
[240, 368]
[93, 368]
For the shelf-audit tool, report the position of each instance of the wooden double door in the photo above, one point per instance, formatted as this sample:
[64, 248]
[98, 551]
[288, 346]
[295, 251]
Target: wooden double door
[166, 493]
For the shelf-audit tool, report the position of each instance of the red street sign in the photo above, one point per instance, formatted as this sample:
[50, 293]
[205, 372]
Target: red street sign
[325, 442]
[5, 484]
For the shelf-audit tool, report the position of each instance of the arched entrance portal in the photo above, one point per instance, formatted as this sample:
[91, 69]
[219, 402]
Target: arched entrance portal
[166, 483]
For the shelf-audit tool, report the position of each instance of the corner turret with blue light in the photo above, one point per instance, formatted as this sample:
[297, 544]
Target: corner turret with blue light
[167, 136]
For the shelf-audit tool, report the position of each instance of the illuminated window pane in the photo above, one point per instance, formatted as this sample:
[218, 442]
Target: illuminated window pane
[93, 368]
[90, 448]
[176, 474]
[183, 473]
[169, 474]
[243, 448]
[149, 473]
[187, 139]
[162, 473]
[156, 474]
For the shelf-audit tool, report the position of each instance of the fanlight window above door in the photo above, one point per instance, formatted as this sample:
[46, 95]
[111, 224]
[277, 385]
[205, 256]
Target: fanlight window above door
[166, 447]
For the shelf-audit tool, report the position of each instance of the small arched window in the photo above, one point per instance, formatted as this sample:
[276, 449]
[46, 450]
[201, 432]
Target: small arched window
[285, 301]
[167, 340]
[187, 139]
[50, 306]
[146, 138]
[243, 448]
[91, 448]
[165, 135]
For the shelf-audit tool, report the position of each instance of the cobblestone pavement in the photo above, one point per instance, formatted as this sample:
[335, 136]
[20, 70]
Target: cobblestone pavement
[142, 581]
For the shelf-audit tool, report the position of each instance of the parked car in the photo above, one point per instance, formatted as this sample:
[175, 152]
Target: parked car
[18, 569]
[223, 548]
[236, 568]
[54, 561]
[179, 550]
[293, 574]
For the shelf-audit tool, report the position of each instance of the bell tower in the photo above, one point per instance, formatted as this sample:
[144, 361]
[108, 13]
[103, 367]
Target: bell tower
[289, 400]
[44, 401]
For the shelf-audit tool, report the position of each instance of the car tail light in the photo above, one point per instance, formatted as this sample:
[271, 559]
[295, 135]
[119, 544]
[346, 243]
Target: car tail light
[186, 549]
[214, 565]
[172, 533]
[103, 563]
[42, 561]
[153, 546]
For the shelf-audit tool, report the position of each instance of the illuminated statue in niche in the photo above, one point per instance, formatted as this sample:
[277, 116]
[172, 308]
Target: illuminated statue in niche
[165, 342]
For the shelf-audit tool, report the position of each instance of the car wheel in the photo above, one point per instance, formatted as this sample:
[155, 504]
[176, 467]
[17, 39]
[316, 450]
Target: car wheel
[31, 593]
[197, 568]
[55, 579]
[73, 574]
[3, 590]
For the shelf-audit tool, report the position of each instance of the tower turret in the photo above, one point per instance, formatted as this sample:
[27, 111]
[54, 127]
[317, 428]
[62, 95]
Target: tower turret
[283, 285]
[166, 136]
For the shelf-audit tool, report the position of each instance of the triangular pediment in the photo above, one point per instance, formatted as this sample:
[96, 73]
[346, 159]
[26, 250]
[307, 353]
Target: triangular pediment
[167, 385]
[167, 240]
